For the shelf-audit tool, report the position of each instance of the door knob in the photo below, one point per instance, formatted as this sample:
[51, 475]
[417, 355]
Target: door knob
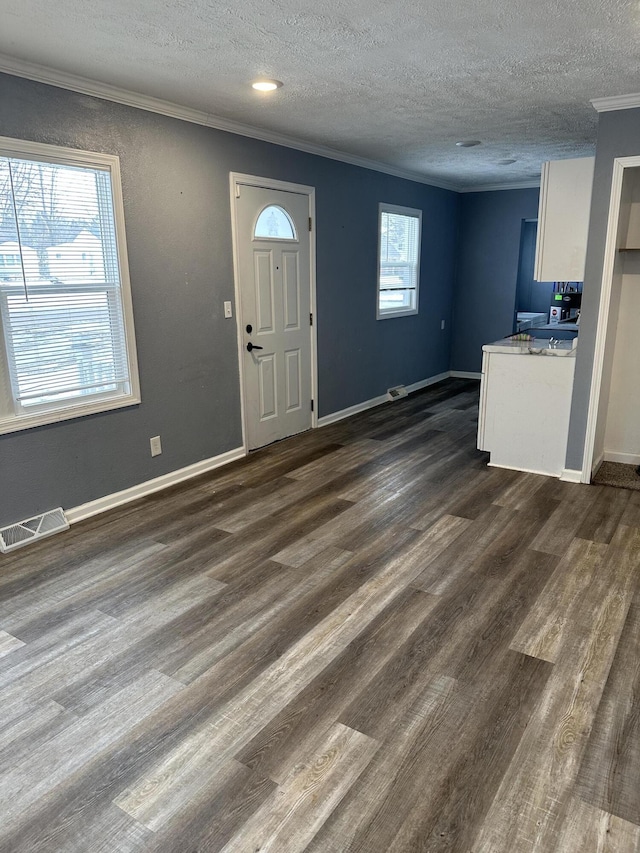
[251, 347]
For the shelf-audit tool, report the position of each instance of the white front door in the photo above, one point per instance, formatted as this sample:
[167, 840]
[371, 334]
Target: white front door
[274, 287]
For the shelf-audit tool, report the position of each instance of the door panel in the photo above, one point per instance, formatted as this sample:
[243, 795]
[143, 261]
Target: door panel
[291, 291]
[267, 386]
[274, 284]
[294, 380]
[264, 292]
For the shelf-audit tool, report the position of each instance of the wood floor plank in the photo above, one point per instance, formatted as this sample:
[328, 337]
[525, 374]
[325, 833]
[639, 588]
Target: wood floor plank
[274, 750]
[443, 571]
[225, 732]
[289, 819]
[602, 521]
[563, 525]
[8, 643]
[31, 725]
[532, 801]
[358, 639]
[448, 817]
[213, 815]
[26, 783]
[587, 828]
[362, 810]
[609, 777]
[631, 515]
[480, 600]
[295, 587]
[328, 534]
[562, 602]
[266, 538]
[23, 608]
[487, 489]
[106, 830]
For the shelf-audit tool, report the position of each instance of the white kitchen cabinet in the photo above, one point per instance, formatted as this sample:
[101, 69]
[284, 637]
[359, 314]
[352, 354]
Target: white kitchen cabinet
[525, 402]
[563, 219]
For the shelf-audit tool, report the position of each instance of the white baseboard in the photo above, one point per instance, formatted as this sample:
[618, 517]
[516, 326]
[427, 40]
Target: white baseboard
[597, 462]
[464, 374]
[79, 513]
[625, 458]
[571, 475]
[523, 470]
[424, 383]
[141, 490]
[325, 420]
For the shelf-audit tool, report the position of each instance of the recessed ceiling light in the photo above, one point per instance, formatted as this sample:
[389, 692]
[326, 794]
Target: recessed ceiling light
[468, 143]
[266, 85]
[506, 162]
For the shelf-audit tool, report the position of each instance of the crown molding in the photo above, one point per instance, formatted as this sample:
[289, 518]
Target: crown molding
[514, 185]
[616, 102]
[85, 86]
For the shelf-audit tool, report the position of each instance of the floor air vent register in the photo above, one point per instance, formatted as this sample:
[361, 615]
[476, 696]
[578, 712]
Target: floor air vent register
[24, 532]
[397, 392]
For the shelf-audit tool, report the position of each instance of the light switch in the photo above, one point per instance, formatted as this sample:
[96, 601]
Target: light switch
[228, 310]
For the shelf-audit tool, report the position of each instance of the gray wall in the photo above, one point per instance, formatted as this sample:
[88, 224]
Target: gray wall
[176, 192]
[618, 136]
[487, 271]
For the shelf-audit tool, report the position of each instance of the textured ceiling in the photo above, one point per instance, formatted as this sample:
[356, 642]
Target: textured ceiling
[398, 83]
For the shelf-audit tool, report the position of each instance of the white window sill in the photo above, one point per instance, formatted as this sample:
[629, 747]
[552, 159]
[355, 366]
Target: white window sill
[388, 315]
[20, 422]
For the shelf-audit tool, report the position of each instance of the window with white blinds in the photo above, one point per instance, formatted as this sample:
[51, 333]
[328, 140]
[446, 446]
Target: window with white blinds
[67, 345]
[399, 233]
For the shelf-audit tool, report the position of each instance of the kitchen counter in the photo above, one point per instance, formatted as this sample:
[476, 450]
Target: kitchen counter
[525, 402]
[538, 346]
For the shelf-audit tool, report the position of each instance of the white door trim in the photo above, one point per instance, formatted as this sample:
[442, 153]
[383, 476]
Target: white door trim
[237, 179]
[610, 250]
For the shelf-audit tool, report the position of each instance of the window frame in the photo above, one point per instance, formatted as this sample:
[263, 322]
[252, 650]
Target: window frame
[12, 419]
[390, 313]
[294, 239]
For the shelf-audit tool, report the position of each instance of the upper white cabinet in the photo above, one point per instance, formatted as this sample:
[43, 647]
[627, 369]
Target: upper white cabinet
[563, 219]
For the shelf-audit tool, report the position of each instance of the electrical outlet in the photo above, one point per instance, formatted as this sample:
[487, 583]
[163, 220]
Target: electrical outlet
[156, 445]
[228, 311]
[442, 324]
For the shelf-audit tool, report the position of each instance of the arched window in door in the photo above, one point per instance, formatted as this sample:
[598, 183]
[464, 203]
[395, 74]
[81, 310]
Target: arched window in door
[274, 223]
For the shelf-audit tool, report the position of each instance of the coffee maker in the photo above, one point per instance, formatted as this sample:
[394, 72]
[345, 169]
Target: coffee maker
[566, 301]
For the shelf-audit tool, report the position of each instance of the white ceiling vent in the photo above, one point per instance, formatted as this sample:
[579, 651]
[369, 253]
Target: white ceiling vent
[24, 532]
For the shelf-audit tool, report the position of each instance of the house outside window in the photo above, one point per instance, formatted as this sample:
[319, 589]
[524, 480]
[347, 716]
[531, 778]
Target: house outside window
[67, 344]
[399, 234]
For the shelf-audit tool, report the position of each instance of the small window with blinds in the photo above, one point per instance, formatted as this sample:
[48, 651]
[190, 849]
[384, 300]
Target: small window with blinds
[67, 344]
[399, 232]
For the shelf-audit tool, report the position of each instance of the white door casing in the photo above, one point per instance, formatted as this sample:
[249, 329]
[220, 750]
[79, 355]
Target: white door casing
[274, 297]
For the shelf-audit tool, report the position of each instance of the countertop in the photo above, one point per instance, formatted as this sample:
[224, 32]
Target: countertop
[538, 346]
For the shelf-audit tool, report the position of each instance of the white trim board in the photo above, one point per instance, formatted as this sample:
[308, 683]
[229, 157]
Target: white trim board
[464, 374]
[616, 102]
[236, 180]
[610, 252]
[141, 490]
[625, 458]
[524, 470]
[86, 86]
[512, 185]
[571, 475]
[377, 401]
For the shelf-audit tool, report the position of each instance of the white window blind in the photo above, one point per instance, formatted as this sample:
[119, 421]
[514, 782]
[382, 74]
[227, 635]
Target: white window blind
[65, 313]
[399, 260]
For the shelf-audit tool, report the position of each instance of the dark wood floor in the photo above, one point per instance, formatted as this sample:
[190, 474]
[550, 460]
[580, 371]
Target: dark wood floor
[361, 639]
